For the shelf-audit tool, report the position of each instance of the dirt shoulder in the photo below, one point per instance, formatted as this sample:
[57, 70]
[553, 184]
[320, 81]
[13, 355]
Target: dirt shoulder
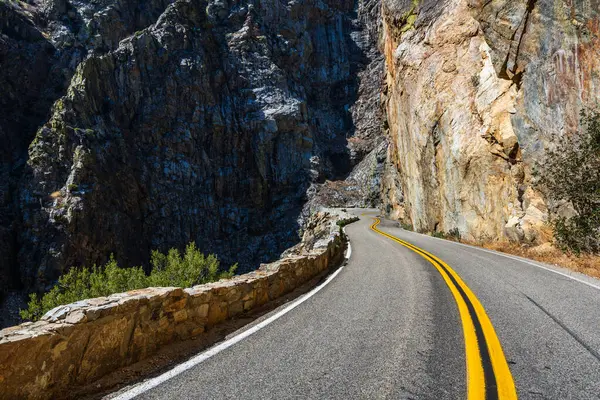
[586, 264]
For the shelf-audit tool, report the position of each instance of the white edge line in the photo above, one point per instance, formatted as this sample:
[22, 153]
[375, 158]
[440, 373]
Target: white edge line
[152, 383]
[516, 259]
[349, 249]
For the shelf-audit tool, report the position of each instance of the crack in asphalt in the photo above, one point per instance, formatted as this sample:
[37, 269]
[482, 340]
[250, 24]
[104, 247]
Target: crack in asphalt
[566, 329]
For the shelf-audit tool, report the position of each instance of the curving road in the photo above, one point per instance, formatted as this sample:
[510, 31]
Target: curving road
[400, 323]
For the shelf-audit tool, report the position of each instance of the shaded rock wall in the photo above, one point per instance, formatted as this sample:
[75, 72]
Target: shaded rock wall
[78, 343]
[475, 92]
[361, 186]
[187, 121]
[41, 44]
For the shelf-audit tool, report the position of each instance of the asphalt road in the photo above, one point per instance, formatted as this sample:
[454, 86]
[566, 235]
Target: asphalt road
[389, 326]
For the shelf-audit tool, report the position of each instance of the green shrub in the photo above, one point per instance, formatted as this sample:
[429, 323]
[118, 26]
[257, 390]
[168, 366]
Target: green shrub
[571, 172]
[406, 227]
[347, 221]
[171, 269]
[193, 268]
[452, 234]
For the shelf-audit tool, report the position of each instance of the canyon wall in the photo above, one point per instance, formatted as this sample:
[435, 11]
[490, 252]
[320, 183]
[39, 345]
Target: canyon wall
[41, 44]
[139, 125]
[475, 92]
[151, 124]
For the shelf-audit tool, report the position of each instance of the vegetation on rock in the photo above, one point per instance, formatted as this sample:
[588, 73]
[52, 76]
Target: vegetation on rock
[406, 226]
[347, 221]
[571, 173]
[452, 234]
[170, 269]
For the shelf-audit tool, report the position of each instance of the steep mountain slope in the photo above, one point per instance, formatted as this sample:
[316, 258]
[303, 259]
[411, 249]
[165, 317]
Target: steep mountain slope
[208, 122]
[475, 92]
[41, 44]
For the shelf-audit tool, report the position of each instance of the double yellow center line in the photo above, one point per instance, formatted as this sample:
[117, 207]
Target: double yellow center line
[488, 374]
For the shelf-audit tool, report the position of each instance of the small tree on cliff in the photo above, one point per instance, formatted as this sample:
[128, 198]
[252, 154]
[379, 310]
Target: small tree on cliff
[572, 172]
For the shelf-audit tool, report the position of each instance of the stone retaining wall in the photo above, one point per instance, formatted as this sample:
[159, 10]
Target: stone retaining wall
[78, 343]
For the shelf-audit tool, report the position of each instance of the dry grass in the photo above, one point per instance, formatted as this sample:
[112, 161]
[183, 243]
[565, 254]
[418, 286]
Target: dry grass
[546, 253]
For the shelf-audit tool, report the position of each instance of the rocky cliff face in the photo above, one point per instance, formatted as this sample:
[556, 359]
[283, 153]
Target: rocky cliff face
[170, 122]
[41, 44]
[475, 92]
[366, 141]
